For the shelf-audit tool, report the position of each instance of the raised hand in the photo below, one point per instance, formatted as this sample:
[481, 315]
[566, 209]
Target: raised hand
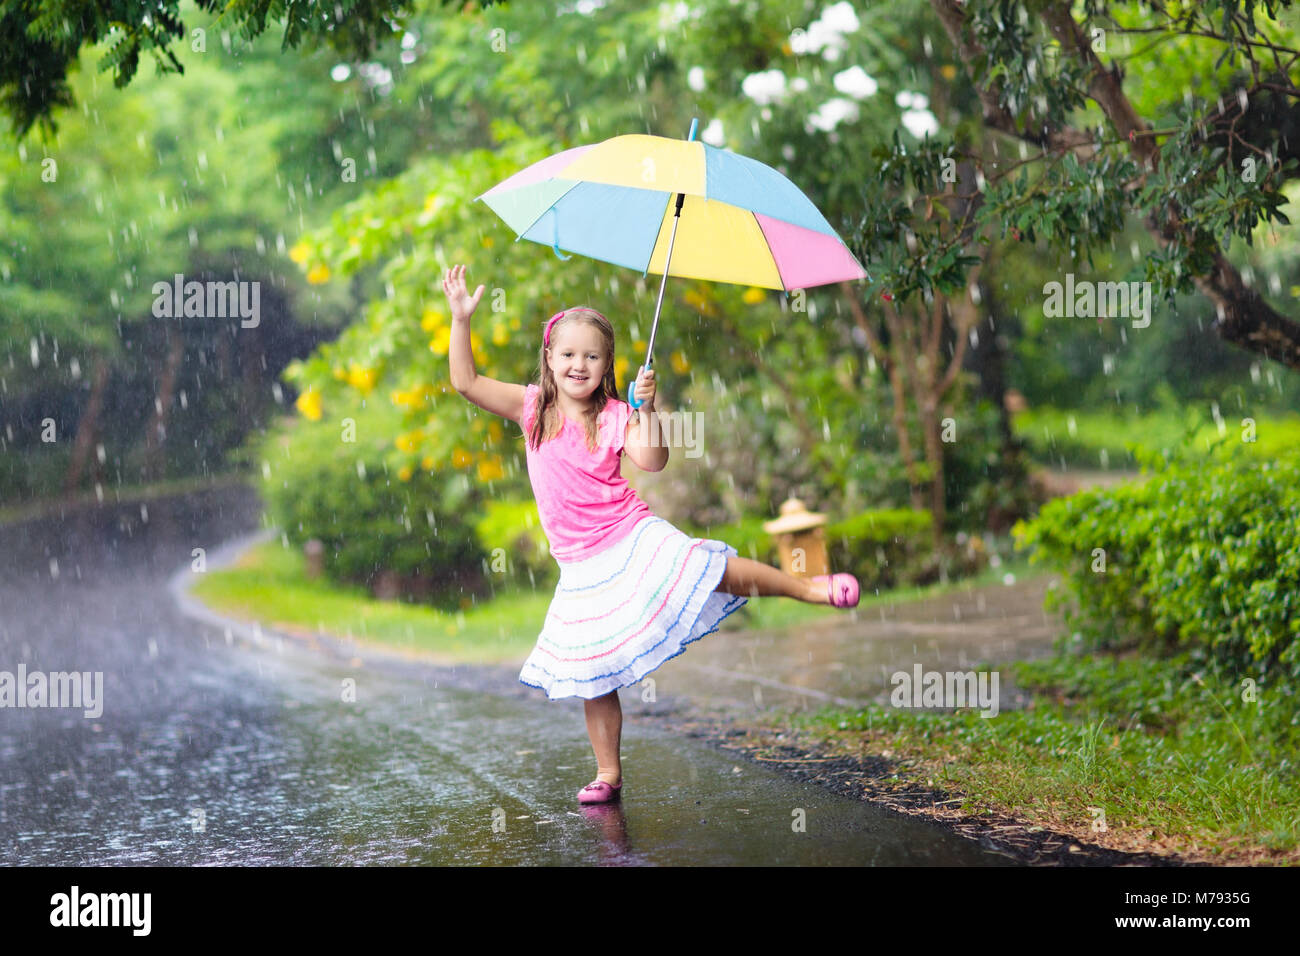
[458, 297]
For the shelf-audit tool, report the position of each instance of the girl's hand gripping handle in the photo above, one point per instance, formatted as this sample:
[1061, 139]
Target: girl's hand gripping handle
[647, 381]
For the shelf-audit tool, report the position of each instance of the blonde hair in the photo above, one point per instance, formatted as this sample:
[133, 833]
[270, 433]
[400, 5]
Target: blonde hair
[547, 421]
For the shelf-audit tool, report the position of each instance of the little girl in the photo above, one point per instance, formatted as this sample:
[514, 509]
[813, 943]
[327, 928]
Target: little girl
[633, 590]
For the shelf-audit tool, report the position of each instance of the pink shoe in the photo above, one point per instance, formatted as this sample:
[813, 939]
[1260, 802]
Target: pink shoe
[842, 589]
[598, 791]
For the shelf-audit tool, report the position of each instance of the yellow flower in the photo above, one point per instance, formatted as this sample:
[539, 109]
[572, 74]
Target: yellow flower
[514, 325]
[309, 404]
[362, 378]
[408, 441]
[427, 463]
[499, 335]
[680, 363]
[620, 368]
[948, 71]
[494, 430]
[404, 473]
[489, 469]
[319, 273]
[441, 341]
[701, 302]
[753, 296]
[487, 242]
[431, 320]
[460, 458]
[340, 373]
[412, 398]
[299, 252]
[639, 345]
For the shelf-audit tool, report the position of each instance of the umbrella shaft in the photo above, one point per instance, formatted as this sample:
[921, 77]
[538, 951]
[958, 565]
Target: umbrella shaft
[677, 214]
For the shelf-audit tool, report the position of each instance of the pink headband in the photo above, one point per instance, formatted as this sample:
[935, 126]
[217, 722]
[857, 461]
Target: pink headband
[546, 337]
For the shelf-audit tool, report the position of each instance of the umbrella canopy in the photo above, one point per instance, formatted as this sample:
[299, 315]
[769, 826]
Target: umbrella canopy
[741, 221]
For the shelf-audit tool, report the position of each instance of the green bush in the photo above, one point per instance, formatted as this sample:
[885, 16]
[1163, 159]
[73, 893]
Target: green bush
[1201, 555]
[746, 536]
[516, 528]
[883, 549]
[349, 497]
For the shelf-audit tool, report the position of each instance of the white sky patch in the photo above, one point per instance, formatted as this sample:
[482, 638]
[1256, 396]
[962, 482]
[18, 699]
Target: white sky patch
[712, 134]
[826, 35]
[673, 15]
[832, 113]
[377, 76]
[765, 87]
[584, 7]
[920, 122]
[856, 83]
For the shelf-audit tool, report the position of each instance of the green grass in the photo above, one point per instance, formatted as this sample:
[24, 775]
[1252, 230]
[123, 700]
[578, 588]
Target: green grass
[1080, 437]
[1174, 760]
[269, 585]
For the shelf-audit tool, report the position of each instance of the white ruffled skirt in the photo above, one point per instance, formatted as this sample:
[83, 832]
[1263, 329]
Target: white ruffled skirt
[619, 614]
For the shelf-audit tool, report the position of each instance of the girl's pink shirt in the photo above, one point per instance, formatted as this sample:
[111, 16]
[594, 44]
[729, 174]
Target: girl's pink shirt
[584, 501]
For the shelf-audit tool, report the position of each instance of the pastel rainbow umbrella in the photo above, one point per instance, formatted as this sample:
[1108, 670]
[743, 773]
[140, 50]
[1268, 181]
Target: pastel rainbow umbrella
[627, 199]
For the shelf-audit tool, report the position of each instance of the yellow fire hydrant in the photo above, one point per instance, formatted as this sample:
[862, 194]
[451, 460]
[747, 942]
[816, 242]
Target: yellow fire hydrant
[801, 539]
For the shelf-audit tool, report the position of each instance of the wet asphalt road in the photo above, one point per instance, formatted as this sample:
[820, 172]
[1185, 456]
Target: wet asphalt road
[220, 747]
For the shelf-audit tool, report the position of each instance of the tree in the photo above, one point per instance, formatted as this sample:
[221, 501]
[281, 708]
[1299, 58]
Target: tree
[1214, 168]
[202, 178]
[41, 40]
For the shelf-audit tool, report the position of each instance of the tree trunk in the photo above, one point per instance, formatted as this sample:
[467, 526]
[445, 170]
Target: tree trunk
[87, 427]
[157, 431]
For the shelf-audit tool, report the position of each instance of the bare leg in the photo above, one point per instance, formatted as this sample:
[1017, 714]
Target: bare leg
[605, 728]
[748, 578]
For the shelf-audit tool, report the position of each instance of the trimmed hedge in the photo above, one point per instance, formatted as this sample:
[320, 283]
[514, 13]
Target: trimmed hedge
[883, 549]
[1202, 555]
[346, 495]
[746, 536]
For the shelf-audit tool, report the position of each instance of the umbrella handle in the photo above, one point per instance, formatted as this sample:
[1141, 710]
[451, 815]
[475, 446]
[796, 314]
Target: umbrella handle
[631, 387]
